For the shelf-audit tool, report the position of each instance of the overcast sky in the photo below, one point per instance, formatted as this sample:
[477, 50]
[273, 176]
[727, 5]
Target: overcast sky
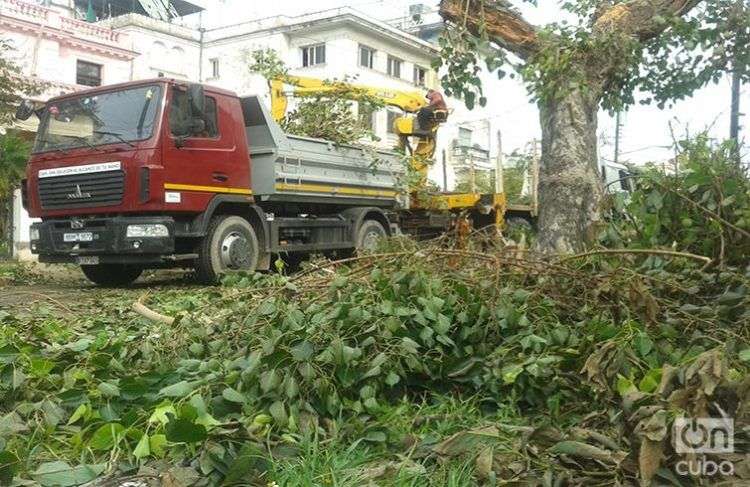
[645, 135]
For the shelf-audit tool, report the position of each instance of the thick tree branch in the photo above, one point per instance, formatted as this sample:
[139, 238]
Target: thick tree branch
[502, 23]
[642, 19]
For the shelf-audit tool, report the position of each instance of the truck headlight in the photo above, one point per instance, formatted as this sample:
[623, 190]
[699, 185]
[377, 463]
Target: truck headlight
[147, 231]
[34, 234]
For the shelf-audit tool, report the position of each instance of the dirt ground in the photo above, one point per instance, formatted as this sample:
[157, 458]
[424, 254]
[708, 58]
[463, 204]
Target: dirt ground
[24, 287]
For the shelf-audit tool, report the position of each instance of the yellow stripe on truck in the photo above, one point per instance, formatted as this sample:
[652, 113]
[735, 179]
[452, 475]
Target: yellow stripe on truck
[321, 188]
[206, 189]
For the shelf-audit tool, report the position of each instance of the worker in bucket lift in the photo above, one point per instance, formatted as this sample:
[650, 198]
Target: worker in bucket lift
[437, 109]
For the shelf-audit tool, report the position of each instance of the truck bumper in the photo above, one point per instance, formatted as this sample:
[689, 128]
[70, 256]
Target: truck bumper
[101, 240]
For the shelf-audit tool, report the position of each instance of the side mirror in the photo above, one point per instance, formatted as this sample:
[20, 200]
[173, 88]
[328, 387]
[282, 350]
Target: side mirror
[25, 110]
[197, 99]
[197, 126]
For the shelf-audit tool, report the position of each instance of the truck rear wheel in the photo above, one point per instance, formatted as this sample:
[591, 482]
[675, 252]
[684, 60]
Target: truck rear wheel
[229, 246]
[369, 234]
[112, 275]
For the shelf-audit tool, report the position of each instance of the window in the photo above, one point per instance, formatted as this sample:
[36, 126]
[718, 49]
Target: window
[464, 137]
[179, 116]
[313, 55]
[107, 118]
[88, 74]
[420, 75]
[215, 68]
[392, 116]
[394, 66]
[366, 56]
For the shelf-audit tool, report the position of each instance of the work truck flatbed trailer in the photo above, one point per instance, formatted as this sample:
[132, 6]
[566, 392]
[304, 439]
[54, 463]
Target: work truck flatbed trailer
[158, 173]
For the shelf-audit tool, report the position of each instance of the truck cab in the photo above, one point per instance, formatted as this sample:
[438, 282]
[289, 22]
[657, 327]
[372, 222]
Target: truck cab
[158, 173]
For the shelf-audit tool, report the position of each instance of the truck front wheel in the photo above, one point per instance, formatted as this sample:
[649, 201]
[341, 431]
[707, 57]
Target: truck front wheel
[230, 245]
[369, 234]
[112, 275]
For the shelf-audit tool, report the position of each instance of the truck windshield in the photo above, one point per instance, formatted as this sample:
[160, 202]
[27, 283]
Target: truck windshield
[105, 118]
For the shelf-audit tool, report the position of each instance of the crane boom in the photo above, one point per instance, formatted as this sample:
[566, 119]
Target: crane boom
[300, 87]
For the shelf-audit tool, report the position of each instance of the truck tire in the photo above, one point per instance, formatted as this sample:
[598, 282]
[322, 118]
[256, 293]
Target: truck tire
[368, 235]
[229, 245]
[112, 275]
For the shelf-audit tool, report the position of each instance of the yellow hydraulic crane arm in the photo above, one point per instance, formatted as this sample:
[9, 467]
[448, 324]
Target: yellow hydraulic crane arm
[300, 87]
[407, 127]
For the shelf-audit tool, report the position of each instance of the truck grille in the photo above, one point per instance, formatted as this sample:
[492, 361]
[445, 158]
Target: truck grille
[82, 190]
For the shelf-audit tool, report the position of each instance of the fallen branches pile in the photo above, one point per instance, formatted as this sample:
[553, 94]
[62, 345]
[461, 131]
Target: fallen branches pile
[597, 355]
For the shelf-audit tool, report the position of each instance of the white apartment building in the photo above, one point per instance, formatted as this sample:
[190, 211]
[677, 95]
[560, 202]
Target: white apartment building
[134, 39]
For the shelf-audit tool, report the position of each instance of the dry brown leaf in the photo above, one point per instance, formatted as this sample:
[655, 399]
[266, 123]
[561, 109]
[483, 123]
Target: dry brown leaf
[710, 368]
[179, 477]
[583, 450]
[649, 459]
[653, 427]
[390, 469]
[484, 463]
[603, 365]
[604, 440]
[467, 441]
[643, 299]
[644, 412]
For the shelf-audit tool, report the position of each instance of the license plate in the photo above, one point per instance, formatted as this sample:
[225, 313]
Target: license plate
[88, 260]
[79, 237]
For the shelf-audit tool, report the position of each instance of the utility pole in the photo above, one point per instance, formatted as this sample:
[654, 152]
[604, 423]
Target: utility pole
[499, 180]
[734, 128]
[201, 46]
[473, 175]
[618, 131]
[445, 171]
[535, 180]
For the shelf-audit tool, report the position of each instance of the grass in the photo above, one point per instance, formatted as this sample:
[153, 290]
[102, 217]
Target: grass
[340, 464]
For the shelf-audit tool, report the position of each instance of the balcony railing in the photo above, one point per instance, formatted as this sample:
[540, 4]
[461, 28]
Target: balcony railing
[86, 29]
[51, 19]
[29, 11]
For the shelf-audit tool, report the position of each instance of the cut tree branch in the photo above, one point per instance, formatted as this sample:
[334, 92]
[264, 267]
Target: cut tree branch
[642, 19]
[503, 24]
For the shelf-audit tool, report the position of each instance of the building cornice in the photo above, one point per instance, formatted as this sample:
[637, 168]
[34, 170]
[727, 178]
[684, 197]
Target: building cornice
[290, 25]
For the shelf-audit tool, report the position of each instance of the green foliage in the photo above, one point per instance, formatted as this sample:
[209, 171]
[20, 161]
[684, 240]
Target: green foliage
[13, 85]
[484, 182]
[254, 377]
[266, 62]
[696, 51]
[14, 152]
[515, 175]
[327, 115]
[685, 54]
[330, 115]
[461, 55]
[704, 208]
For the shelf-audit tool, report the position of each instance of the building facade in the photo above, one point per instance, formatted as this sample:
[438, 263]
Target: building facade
[70, 47]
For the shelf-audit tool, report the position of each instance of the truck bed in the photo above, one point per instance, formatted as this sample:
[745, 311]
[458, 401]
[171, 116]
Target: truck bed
[292, 168]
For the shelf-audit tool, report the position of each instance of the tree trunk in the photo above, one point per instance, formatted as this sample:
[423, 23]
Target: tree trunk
[570, 190]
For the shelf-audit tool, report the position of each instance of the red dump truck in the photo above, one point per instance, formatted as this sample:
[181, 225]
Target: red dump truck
[161, 173]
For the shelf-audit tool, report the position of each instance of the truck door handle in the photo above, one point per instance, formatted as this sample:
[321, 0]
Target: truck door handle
[220, 177]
